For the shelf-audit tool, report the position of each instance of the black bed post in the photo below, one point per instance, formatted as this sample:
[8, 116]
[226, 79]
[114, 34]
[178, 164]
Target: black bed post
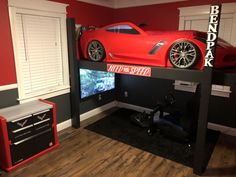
[74, 74]
[200, 161]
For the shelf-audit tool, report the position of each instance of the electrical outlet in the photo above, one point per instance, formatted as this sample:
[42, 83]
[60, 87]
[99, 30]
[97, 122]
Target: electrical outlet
[99, 97]
[126, 94]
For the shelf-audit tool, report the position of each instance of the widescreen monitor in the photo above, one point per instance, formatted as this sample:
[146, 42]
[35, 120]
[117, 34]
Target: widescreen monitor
[93, 82]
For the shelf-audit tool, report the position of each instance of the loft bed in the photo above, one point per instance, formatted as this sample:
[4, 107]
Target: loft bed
[203, 77]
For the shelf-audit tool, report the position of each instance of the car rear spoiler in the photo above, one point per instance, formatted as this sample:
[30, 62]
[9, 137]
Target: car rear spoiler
[82, 29]
[79, 30]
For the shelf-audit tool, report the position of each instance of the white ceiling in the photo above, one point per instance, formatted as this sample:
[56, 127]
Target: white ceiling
[127, 3]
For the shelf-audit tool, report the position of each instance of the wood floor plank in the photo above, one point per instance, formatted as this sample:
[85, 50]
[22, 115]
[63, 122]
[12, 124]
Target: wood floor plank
[83, 153]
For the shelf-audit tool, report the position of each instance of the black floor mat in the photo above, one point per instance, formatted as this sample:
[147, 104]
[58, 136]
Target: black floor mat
[119, 127]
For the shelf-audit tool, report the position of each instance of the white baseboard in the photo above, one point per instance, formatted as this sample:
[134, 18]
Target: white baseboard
[98, 110]
[223, 129]
[87, 115]
[8, 87]
[64, 125]
[133, 107]
[68, 123]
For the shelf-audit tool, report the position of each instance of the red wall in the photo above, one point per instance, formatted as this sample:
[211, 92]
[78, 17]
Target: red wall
[160, 16]
[7, 66]
[163, 16]
[88, 14]
[84, 13]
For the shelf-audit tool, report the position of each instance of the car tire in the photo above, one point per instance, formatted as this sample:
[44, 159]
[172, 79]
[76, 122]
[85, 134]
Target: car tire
[183, 54]
[96, 51]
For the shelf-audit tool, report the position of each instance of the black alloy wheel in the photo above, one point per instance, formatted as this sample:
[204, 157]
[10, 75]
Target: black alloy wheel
[96, 51]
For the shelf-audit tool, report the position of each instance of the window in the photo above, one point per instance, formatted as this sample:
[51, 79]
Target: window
[125, 29]
[40, 48]
[196, 18]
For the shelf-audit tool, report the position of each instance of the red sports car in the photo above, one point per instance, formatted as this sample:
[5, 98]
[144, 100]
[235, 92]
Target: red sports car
[127, 43]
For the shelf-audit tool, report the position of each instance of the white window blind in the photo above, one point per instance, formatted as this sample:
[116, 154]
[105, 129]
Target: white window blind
[40, 47]
[39, 53]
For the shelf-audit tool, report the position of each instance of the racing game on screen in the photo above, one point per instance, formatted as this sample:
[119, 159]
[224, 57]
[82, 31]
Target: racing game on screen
[94, 82]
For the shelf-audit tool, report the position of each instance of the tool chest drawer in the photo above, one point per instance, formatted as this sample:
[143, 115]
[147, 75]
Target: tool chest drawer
[28, 130]
[42, 116]
[34, 144]
[20, 134]
[20, 123]
[29, 125]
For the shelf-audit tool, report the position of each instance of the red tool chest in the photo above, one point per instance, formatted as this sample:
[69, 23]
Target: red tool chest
[26, 131]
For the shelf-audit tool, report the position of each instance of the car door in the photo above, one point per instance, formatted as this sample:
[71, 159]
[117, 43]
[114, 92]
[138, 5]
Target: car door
[126, 42]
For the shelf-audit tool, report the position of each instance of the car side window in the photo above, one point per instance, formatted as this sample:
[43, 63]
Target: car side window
[113, 29]
[124, 29]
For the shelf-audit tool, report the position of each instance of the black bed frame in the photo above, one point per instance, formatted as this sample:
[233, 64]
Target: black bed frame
[203, 77]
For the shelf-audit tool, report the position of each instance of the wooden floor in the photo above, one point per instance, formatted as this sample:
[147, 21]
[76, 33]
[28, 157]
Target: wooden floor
[86, 154]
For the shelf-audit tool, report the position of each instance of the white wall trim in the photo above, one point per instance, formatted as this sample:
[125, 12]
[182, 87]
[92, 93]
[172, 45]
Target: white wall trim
[98, 110]
[64, 125]
[116, 4]
[188, 15]
[133, 107]
[47, 9]
[192, 86]
[46, 96]
[136, 3]
[87, 115]
[185, 86]
[8, 87]
[104, 3]
[223, 129]
[221, 93]
[47, 6]
[205, 9]
[213, 126]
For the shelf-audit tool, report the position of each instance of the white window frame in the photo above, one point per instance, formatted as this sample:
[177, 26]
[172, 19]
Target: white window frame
[202, 12]
[41, 8]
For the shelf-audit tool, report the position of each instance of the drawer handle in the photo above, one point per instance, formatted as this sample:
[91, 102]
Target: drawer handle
[20, 119]
[41, 117]
[41, 121]
[31, 137]
[41, 112]
[23, 123]
[18, 130]
[46, 125]
[23, 134]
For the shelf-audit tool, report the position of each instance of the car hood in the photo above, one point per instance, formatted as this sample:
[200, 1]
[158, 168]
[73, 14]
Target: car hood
[182, 32]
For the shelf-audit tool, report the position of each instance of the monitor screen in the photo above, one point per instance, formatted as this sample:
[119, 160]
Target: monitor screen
[94, 82]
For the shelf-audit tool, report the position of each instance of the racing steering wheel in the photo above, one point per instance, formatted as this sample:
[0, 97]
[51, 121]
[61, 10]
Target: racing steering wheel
[170, 99]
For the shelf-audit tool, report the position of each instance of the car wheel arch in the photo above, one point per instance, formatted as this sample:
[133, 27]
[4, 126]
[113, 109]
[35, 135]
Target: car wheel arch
[191, 45]
[102, 45]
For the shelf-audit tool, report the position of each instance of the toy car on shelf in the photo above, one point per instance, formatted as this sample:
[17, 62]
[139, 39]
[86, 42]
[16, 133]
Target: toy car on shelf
[127, 43]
